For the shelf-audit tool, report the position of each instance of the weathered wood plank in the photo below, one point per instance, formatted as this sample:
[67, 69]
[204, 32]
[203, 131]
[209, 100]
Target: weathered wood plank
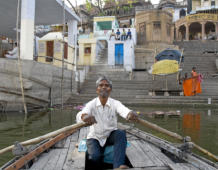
[187, 166]
[151, 168]
[68, 160]
[148, 151]
[42, 160]
[182, 166]
[50, 165]
[130, 137]
[172, 149]
[64, 153]
[158, 154]
[137, 157]
[61, 143]
[75, 159]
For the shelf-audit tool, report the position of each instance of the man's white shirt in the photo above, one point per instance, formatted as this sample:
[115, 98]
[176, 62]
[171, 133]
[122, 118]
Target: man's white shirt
[13, 53]
[106, 117]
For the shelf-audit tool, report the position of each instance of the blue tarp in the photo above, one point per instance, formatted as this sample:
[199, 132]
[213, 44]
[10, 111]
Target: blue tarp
[169, 54]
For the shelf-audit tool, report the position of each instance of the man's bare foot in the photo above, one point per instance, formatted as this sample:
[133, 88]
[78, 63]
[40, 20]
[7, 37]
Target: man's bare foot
[122, 167]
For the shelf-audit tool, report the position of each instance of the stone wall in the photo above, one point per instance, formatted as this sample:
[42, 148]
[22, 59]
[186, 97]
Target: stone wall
[42, 84]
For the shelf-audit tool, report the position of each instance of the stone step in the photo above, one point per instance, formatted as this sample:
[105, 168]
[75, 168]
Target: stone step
[156, 99]
[118, 92]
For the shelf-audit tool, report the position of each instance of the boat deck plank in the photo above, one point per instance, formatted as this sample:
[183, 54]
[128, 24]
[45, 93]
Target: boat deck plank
[77, 159]
[44, 158]
[68, 162]
[157, 152]
[137, 157]
[145, 146]
[151, 168]
[182, 166]
[50, 165]
[64, 151]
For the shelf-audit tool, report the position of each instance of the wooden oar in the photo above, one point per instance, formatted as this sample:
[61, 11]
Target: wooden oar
[175, 135]
[46, 136]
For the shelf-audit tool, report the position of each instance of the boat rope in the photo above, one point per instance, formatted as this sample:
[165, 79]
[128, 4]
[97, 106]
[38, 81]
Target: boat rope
[63, 53]
[19, 60]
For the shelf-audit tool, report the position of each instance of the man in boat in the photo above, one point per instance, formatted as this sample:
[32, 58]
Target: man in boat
[101, 114]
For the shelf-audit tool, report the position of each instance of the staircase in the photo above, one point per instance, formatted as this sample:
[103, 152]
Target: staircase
[127, 87]
[133, 88]
[101, 58]
[202, 55]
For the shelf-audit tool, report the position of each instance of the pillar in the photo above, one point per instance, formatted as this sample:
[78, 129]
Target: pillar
[177, 34]
[187, 32]
[163, 32]
[72, 38]
[216, 28]
[27, 29]
[203, 31]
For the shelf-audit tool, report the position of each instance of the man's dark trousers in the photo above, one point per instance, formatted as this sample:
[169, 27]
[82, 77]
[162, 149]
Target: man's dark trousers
[95, 151]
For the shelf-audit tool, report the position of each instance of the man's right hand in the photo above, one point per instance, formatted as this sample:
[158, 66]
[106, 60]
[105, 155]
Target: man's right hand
[89, 119]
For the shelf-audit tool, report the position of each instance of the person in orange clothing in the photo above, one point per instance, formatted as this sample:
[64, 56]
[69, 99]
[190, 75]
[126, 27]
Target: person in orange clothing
[190, 85]
[194, 75]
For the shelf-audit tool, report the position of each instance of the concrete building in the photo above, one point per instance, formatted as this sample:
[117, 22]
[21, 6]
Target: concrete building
[118, 52]
[40, 12]
[43, 84]
[204, 6]
[199, 26]
[51, 48]
[121, 53]
[102, 26]
[89, 48]
[154, 26]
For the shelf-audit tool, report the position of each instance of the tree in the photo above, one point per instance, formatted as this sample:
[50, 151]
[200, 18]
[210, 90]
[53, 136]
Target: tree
[99, 4]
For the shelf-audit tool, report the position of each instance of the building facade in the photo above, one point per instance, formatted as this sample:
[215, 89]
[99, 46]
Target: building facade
[199, 26]
[154, 26]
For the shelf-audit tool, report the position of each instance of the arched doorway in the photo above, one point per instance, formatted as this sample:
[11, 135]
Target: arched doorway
[182, 13]
[195, 31]
[182, 31]
[210, 31]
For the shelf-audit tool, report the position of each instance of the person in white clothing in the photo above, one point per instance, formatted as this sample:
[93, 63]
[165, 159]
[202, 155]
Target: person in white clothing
[13, 53]
[101, 114]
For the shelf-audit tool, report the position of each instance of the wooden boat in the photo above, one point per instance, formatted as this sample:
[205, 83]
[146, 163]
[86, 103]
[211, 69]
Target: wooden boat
[145, 152]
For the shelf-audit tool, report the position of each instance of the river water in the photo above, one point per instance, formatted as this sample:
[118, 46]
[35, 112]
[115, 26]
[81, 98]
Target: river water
[201, 125]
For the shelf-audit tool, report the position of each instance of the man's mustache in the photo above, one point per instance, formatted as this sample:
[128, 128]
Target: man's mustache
[104, 93]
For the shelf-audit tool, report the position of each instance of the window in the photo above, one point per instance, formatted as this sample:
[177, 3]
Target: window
[65, 50]
[49, 51]
[182, 13]
[157, 25]
[87, 50]
[104, 25]
[212, 3]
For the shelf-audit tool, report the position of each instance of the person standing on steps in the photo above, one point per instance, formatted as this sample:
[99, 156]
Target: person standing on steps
[194, 75]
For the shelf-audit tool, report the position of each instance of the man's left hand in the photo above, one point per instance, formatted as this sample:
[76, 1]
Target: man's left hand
[132, 116]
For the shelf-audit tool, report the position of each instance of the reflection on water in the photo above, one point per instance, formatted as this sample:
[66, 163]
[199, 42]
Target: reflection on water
[200, 125]
[191, 125]
[209, 112]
